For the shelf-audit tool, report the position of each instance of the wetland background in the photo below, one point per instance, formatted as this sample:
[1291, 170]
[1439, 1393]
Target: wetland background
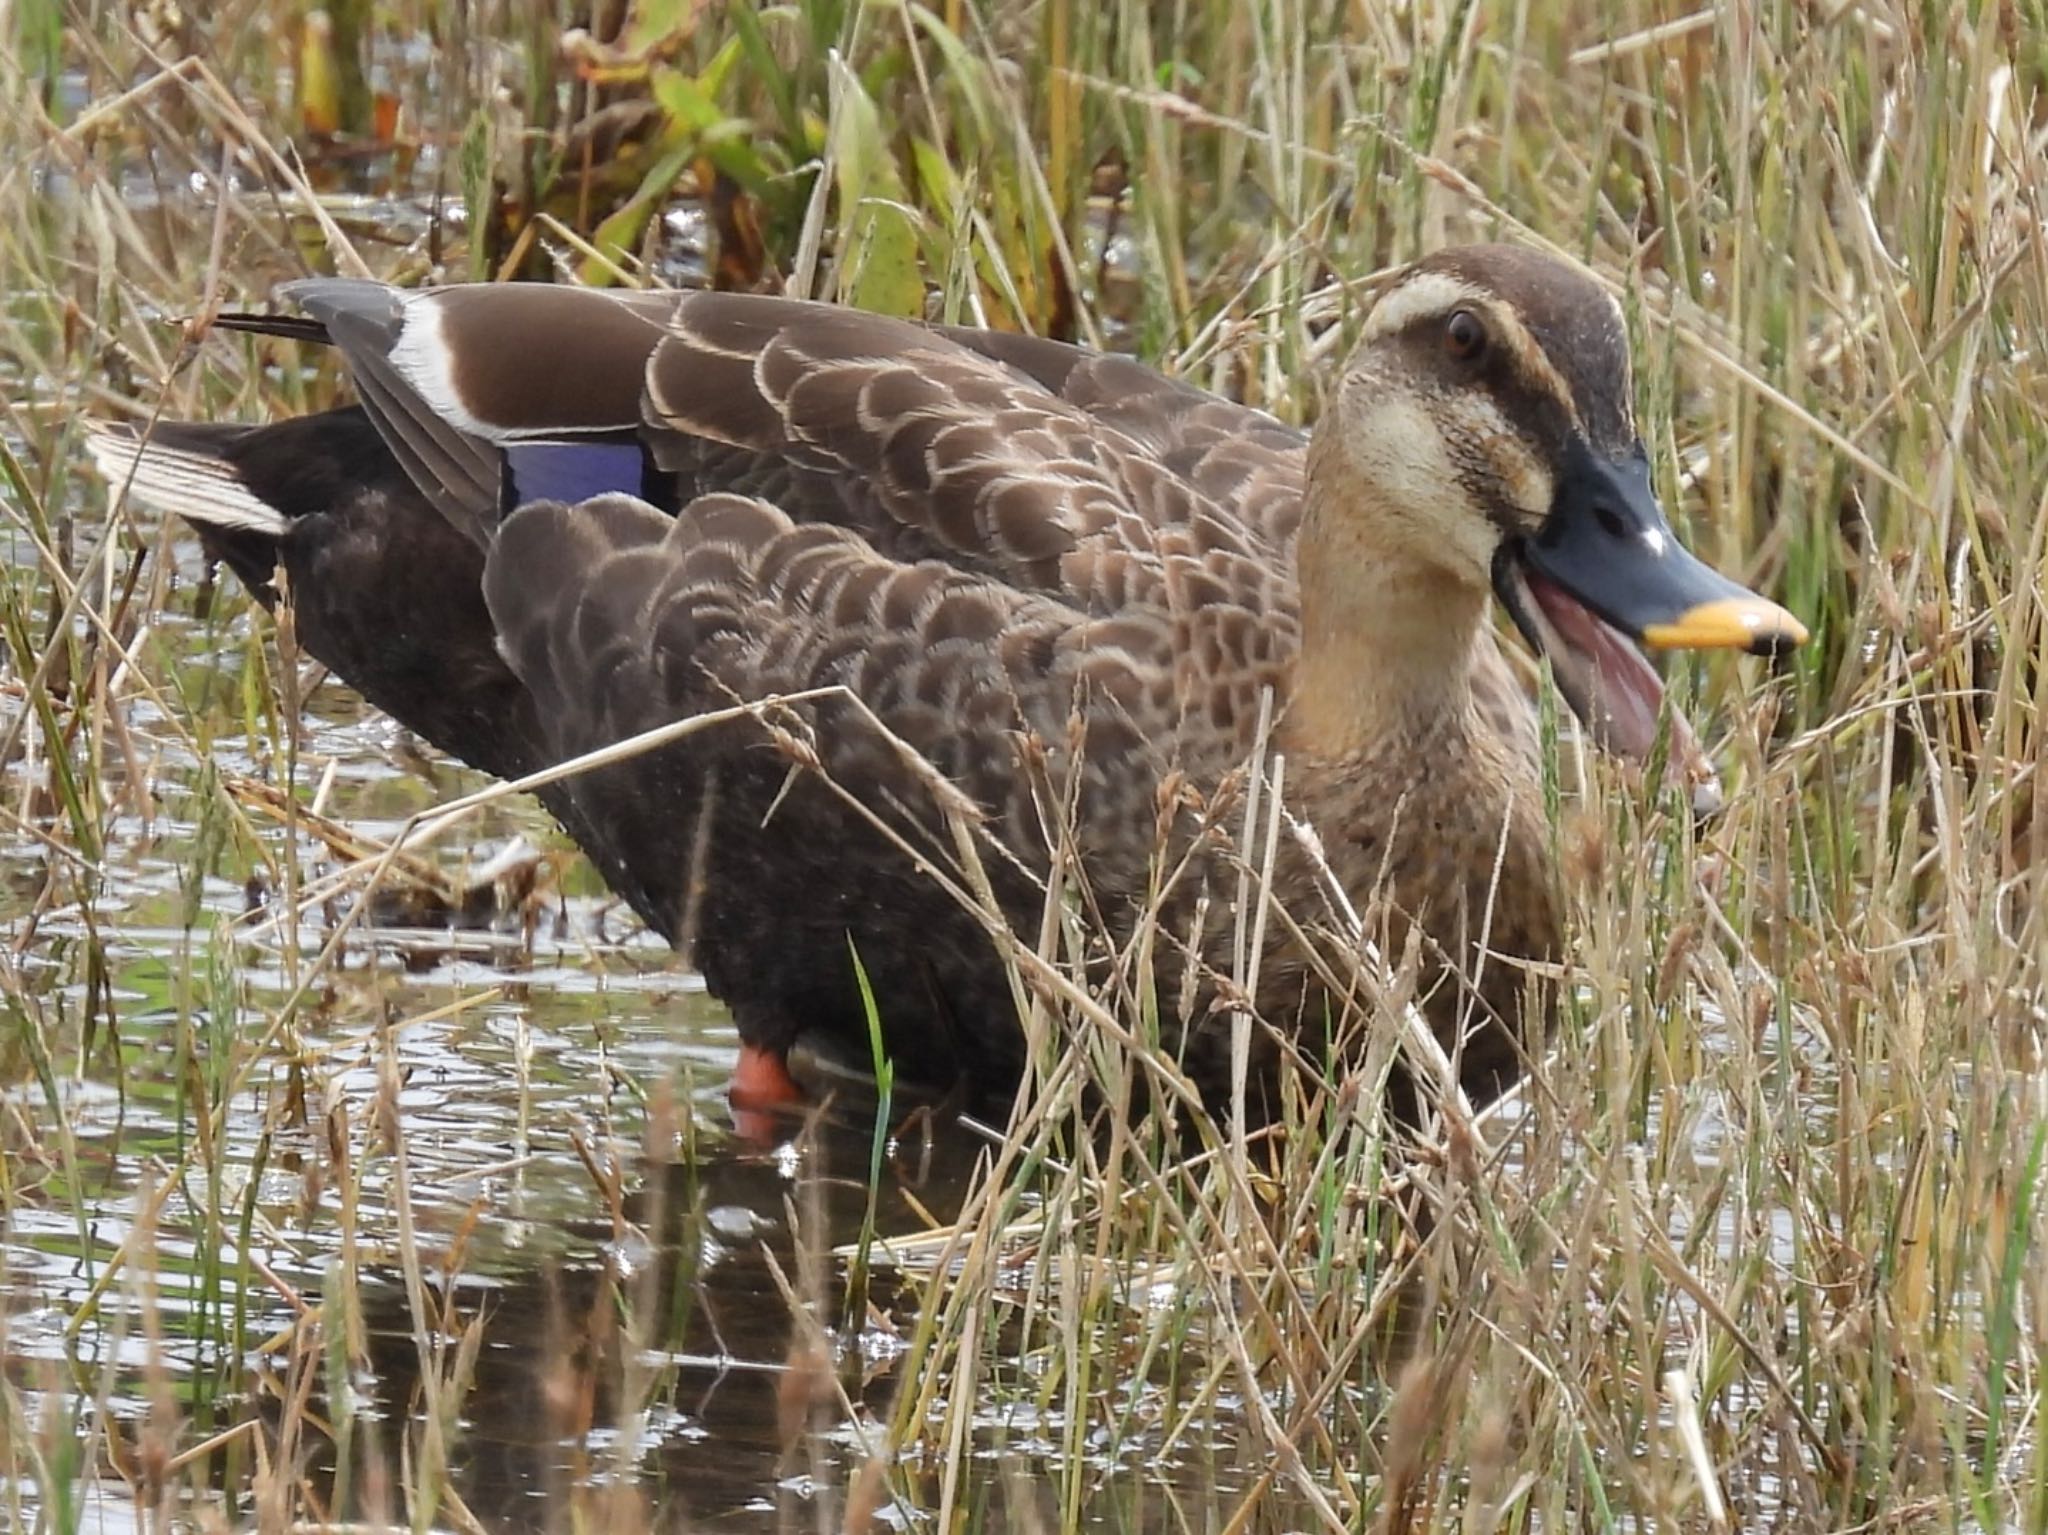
[314, 1211]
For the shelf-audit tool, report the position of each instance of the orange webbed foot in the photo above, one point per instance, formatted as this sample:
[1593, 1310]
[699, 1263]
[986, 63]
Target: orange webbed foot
[762, 1091]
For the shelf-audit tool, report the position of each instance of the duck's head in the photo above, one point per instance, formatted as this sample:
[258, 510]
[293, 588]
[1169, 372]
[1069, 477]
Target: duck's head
[1486, 418]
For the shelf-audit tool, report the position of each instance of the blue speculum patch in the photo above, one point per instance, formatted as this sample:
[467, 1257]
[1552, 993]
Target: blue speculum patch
[570, 471]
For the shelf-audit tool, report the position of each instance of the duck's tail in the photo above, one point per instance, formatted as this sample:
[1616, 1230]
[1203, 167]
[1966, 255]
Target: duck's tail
[185, 468]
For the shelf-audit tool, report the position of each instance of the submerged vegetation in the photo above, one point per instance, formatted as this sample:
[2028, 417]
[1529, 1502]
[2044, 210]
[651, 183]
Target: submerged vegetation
[310, 1216]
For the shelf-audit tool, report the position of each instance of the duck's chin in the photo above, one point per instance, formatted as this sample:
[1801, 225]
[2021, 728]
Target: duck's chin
[1606, 679]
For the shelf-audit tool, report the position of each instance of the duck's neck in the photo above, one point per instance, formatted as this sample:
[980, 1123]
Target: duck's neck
[1386, 639]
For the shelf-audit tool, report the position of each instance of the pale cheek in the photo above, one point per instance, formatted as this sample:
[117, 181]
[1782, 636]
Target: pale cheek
[1397, 449]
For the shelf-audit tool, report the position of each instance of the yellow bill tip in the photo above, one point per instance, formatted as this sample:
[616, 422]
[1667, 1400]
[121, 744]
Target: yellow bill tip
[1729, 623]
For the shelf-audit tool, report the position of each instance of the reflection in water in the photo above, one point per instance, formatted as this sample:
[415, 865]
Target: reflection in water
[692, 1359]
[674, 1347]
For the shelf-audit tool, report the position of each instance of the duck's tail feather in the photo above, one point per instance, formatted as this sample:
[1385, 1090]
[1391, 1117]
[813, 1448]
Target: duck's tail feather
[182, 468]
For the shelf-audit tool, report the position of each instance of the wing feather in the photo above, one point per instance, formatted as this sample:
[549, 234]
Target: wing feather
[620, 619]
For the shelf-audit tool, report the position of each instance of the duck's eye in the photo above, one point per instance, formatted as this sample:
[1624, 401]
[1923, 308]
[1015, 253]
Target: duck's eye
[1465, 336]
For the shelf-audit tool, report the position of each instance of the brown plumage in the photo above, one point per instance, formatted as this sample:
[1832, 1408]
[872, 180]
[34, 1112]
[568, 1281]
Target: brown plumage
[1064, 580]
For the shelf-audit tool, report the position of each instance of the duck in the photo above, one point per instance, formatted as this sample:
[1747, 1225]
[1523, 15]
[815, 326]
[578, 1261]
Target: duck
[978, 577]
